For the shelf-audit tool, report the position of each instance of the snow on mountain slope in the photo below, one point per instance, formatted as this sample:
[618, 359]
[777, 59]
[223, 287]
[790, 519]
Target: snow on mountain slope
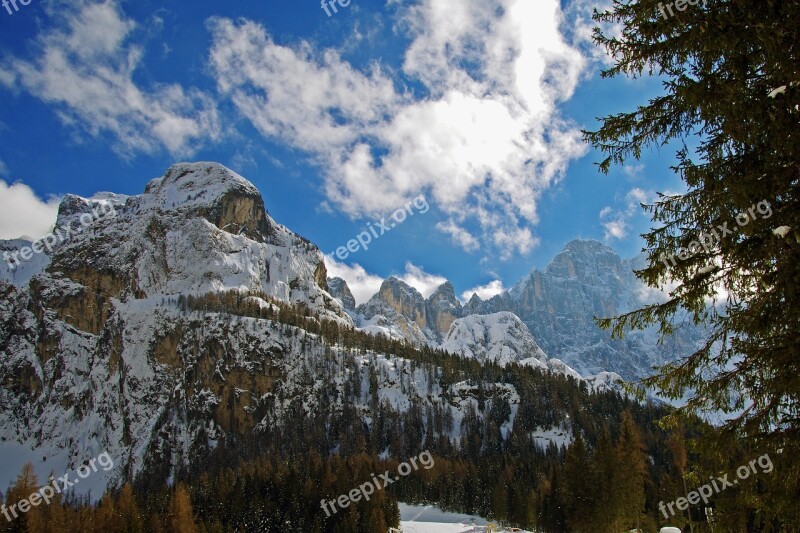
[91, 338]
[21, 274]
[500, 338]
[399, 311]
[200, 228]
[101, 351]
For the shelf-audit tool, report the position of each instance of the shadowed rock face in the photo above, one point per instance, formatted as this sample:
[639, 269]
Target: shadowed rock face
[443, 308]
[559, 305]
[399, 307]
[338, 288]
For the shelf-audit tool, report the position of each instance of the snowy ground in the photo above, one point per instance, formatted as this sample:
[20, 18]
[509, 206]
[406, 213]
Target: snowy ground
[428, 519]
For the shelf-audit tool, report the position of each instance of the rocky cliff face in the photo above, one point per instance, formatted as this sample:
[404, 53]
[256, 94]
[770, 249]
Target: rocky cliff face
[587, 280]
[338, 288]
[443, 308]
[400, 311]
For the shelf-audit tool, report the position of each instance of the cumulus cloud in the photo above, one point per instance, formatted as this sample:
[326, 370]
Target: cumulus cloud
[459, 235]
[484, 292]
[616, 222]
[485, 133]
[422, 281]
[23, 214]
[84, 66]
[633, 171]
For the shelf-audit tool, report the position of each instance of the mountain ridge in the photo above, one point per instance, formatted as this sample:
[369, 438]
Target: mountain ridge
[558, 304]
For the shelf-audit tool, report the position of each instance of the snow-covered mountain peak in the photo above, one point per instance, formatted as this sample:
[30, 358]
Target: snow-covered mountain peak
[197, 184]
[444, 293]
[500, 338]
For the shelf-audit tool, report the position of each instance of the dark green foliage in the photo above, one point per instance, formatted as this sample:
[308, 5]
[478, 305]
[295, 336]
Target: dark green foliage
[731, 73]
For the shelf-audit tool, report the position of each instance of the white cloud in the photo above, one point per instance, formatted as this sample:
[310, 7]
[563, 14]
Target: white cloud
[459, 235]
[484, 292]
[633, 171]
[486, 136]
[362, 284]
[22, 213]
[3, 169]
[615, 227]
[84, 67]
[635, 197]
[616, 222]
[422, 281]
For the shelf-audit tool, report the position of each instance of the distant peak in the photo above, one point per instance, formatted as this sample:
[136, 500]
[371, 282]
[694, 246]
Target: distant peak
[587, 245]
[446, 290]
[397, 283]
[203, 178]
[475, 300]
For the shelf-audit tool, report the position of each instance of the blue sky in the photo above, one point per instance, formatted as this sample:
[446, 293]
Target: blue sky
[339, 120]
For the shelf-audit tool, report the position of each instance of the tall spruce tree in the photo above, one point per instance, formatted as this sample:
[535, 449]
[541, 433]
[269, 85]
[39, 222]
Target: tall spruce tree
[730, 71]
[630, 474]
[580, 487]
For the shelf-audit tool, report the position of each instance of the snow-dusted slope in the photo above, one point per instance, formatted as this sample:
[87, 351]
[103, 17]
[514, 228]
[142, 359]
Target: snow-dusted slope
[503, 338]
[100, 351]
[200, 228]
[500, 338]
[96, 353]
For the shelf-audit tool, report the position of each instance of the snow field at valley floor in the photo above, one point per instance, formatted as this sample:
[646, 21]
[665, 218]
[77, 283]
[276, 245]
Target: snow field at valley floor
[429, 519]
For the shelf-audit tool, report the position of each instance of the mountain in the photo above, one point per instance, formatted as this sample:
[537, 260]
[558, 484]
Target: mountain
[338, 288]
[96, 353]
[558, 305]
[587, 280]
[185, 324]
[502, 338]
[400, 311]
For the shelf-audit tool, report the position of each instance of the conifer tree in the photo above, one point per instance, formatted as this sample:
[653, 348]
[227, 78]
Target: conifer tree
[731, 77]
[128, 511]
[181, 517]
[30, 517]
[631, 474]
[580, 486]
